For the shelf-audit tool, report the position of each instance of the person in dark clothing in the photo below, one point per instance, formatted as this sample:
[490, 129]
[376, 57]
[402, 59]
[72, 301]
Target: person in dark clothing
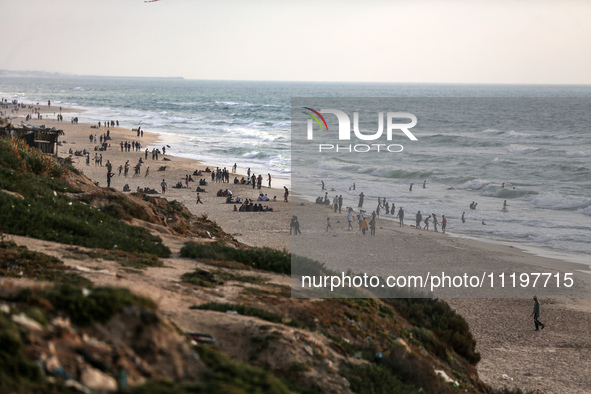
[109, 176]
[537, 313]
[419, 219]
[401, 217]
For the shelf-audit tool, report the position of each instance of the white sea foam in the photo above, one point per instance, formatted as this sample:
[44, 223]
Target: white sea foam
[578, 154]
[521, 149]
[475, 184]
[559, 201]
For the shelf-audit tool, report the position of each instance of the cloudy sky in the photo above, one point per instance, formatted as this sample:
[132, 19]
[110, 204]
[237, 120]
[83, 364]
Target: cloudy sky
[467, 41]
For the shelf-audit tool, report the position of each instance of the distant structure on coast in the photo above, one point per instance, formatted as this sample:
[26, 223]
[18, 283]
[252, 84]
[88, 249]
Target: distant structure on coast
[44, 139]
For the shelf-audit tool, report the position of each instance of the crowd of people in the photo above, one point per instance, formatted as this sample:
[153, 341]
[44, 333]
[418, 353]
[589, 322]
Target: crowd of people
[367, 223]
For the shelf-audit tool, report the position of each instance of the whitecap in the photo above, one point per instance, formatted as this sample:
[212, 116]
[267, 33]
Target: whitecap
[475, 184]
[578, 154]
[521, 149]
[559, 201]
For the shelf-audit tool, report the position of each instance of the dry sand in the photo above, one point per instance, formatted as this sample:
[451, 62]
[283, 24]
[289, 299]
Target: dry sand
[557, 359]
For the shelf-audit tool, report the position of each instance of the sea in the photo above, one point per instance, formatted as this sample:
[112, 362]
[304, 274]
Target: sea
[544, 159]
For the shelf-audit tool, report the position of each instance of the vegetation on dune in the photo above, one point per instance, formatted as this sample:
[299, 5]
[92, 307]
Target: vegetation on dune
[126, 259]
[374, 379]
[19, 262]
[215, 278]
[261, 258]
[45, 213]
[247, 311]
[223, 375]
[16, 154]
[414, 334]
[17, 373]
[265, 259]
[84, 306]
[447, 326]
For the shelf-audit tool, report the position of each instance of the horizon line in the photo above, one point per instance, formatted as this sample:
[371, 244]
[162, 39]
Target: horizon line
[69, 75]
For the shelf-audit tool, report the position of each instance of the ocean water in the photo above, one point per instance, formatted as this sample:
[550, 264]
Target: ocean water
[539, 147]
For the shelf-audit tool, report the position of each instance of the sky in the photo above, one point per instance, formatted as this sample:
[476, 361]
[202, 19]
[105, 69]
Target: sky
[425, 41]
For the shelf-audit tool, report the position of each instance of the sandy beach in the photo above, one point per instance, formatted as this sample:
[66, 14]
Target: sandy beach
[556, 359]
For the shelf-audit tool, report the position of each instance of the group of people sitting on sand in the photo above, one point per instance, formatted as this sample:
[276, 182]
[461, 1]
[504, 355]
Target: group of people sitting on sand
[249, 206]
[265, 198]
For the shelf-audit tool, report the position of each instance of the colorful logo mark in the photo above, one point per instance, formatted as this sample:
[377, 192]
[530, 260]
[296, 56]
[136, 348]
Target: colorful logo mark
[315, 118]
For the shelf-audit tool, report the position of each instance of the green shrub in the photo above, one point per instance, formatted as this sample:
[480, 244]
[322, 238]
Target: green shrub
[19, 262]
[223, 375]
[241, 309]
[373, 379]
[211, 279]
[99, 305]
[246, 311]
[413, 370]
[266, 259]
[45, 213]
[60, 219]
[17, 373]
[228, 376]
[448, 327]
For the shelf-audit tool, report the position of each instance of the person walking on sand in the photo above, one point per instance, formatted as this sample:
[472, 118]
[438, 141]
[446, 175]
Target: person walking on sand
[435, 222]
[199, 199]
[427, 223]
[295, 224]
[286, 193]
[147, 172]
[163, 185]
[328, 226]
[443, 223]
[372, 226]
[350, 219]
[363, 226]
[537, 313]
[418, 220]
[401, 217]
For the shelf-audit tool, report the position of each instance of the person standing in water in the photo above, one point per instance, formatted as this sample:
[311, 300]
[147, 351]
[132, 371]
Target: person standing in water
[463, 220]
